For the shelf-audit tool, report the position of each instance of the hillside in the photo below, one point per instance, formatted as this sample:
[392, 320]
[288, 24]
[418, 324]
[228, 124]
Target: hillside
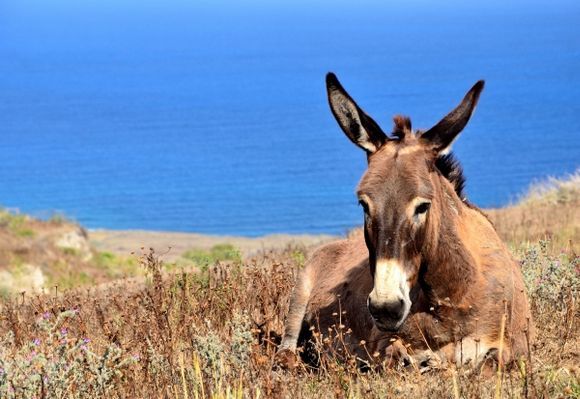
[38, 255]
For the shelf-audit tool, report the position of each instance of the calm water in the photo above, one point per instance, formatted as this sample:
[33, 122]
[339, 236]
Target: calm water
[213, 119]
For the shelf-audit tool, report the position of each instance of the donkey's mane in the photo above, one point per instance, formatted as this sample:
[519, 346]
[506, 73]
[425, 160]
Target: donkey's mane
[451, 169]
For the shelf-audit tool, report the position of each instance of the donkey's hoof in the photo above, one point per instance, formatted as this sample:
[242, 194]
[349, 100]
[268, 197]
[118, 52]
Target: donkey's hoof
[428, 361]
[286, 359]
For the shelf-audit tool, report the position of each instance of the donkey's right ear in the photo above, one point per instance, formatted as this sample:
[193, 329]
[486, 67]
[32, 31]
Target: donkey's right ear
[360, 128]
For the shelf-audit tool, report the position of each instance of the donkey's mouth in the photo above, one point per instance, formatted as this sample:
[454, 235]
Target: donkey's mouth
[388, 325]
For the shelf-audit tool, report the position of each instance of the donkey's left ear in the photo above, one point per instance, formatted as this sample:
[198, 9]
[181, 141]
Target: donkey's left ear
[441, 136]
[360, 128]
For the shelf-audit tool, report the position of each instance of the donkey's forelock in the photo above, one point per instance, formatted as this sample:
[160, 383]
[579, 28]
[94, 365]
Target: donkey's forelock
[402, 126]
[446, 164]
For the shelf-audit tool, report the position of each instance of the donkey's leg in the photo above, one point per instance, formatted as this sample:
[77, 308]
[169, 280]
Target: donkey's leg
[427, 360]
[481, 352]
[297, 311]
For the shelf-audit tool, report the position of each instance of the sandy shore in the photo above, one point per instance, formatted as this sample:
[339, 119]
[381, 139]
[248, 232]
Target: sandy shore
[123, 242]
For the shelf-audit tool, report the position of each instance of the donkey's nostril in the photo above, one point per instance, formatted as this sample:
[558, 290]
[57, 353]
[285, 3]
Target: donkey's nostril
[374, 311]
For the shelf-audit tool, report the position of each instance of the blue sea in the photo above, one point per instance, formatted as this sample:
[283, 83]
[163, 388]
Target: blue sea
[211, 116]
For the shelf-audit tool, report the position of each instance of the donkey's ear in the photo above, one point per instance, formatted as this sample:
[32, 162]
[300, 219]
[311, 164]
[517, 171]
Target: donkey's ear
[360, 128]
[441, 136]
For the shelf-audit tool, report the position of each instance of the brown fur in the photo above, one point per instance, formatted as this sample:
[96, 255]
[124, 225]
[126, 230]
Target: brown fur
[462, 277]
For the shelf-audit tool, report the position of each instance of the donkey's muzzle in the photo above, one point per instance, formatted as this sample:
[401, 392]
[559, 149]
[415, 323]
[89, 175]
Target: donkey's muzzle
[389, 315]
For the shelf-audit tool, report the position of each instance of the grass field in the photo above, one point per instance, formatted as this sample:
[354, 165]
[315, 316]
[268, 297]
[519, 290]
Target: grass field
[211, 332]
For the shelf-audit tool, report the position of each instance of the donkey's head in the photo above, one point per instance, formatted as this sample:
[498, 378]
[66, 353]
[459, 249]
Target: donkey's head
[402, 194]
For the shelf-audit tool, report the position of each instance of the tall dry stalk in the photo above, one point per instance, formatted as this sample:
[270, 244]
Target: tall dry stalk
[500, 352]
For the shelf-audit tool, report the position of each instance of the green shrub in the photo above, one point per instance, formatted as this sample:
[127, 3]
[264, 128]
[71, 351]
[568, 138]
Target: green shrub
[299, 256]
[221, 252]
[117, 266]
[15, 223]
[66, 276]
[550, 279]
[70, 251]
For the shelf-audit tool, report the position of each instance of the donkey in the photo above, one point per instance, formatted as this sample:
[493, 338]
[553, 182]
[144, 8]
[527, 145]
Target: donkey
[428, 272]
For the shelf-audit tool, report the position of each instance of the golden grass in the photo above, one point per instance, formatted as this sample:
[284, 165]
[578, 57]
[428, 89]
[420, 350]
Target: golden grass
[214, 335]
[549, 211]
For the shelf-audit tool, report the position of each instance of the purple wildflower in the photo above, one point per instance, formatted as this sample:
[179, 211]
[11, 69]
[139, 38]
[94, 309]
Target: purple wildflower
[84, 343]
[36, 342]
[63, 331]
[46, 315]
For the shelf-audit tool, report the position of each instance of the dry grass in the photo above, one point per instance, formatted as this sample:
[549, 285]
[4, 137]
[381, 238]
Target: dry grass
[214, 335]
[549, 211]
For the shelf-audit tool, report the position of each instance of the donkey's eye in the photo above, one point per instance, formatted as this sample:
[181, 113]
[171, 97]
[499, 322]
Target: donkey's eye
[364, 206]
[422, 208]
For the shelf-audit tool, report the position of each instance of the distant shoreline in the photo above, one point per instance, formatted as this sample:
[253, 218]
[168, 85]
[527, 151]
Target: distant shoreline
[173, 244]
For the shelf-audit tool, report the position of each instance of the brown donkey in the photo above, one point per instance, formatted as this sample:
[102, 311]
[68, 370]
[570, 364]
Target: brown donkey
[429, 271]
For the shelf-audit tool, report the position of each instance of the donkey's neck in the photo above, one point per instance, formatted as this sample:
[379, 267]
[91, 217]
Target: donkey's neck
[449, 264]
